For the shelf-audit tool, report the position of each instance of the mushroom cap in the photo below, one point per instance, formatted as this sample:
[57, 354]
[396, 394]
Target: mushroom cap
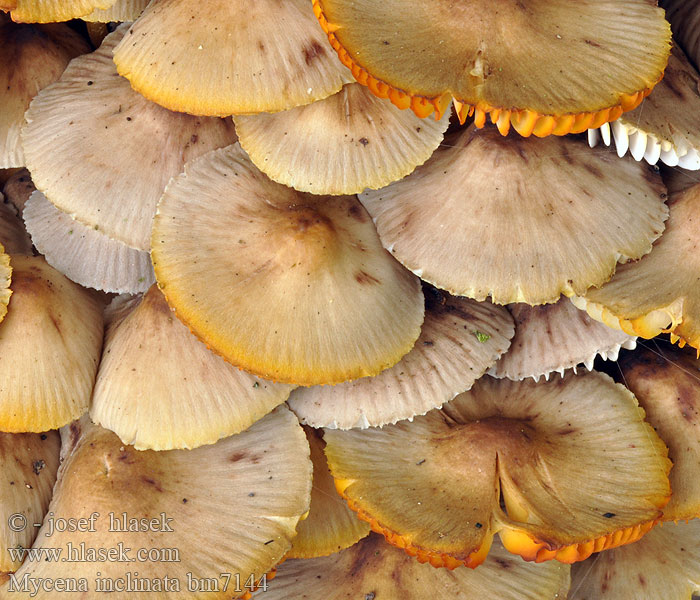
[534, 61]
[331, 526]
[231, 507]
[521, 220]
[307, 296]
[373, 569]
[666, 126]
[103, 154]
[121, 10]
[343, 144]
[575, 464]
[85, 254]
[28, 465]
[31, 57]
[460, 339]
[555, 337]
[684, 17]
[647, 297]
[50, 344]
[5, 283]
[663, 564]
[667, 385]
[231, 58]
[50, 11]
[159, 388]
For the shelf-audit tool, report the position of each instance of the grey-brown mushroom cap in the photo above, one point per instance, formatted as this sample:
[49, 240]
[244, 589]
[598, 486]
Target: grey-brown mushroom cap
[460, 339]
[28, 465]
[373, 569]
[552, 338]
[158, 387]
[227, 508]
[50, 345]
[31, 57]
[664, 564]
[85, 254]
[103, 154]
[520, 220]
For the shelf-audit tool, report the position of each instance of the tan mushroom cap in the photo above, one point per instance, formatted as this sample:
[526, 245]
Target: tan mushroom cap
[556, 337]
[373, 569]
[664, 565]
[289, 286]
[103, 154]
[520, 220]
[5, 282]
[234, 58]
[537, 64]
[50, 11]
[159, 388]
[344, 144]
[573, 460]
[85, 254]
[661, 291]
[28, 465]
[231, 507]
[666, 126]
[667, 385]
[331, 526]
[684, 17]
[13, 236]
[31, 57]
[121, 10]
[50, 344]
[460, 339]
[18, 187]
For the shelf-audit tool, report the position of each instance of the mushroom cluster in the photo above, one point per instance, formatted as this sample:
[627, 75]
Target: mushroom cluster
[331, 300]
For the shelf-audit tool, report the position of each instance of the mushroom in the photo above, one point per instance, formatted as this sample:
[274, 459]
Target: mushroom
[226, 512]
[343, 144]
[666, 126]
[520, 220]
[460, 339]
[66, 244]
[103, 154]
[231, 58]
[667, 385]
[50, 344]
[556, 337]
[534, 64]
[5, 280]
[373, 569]
[159, 388]
[291, 287]
[50, 11]
[330, 526]
[571, 460]
[121, 10]
[647, 297]
[685, 22]
[28, 465]
[665, 563]
[31, 57]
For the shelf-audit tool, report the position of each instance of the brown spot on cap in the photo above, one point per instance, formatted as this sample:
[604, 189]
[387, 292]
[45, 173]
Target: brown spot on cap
[152, 482]
[365, 278]
[313, 51]
[236, 456]
[358, 213]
